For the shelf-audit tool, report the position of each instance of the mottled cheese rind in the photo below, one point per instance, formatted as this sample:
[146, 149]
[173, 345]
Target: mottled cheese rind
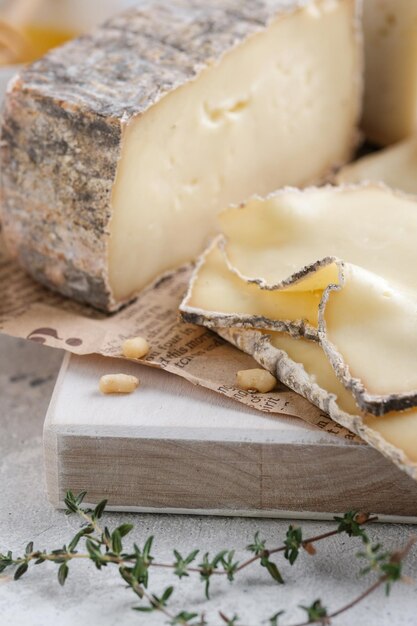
[67, 118]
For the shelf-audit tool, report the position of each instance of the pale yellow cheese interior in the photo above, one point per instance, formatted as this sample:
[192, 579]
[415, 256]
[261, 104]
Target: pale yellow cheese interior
[399, 429]
[278, 109]
[395, 166]
[368, 226]
[374, 327]
[217, 289]
[390, 103]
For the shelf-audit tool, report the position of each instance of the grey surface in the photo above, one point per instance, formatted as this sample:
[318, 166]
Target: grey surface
[27, 374]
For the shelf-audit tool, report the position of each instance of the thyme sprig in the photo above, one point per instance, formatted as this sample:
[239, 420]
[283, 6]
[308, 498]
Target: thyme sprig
[106, 547]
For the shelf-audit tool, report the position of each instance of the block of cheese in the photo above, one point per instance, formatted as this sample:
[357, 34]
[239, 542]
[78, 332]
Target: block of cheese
[302, 366]
[396, 166]
[119, 148]
[390, 99]
[218, 297]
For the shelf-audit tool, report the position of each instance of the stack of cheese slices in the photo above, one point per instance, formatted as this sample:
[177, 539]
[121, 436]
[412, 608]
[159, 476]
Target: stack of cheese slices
[319, 286]
[120, 150]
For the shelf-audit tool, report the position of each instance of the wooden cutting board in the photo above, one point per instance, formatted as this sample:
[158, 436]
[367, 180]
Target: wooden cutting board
[174, 447]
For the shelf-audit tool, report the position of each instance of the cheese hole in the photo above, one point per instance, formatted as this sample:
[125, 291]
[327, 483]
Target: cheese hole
[216, 115]
[241, 105]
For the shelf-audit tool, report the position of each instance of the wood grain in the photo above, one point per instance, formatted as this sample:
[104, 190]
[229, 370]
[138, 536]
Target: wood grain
[175, 447]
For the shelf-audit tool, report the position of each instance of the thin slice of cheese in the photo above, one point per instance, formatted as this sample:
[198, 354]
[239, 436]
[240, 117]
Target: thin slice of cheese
[217, 296]
[395, 166]
[119, 149]
[302, 366]
[399, 429]
[390, 102]
[281, 240]
[368, 330]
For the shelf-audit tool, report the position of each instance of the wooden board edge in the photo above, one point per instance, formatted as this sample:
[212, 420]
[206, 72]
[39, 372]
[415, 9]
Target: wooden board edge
[272, 514]
[195, 477]
[50, 440]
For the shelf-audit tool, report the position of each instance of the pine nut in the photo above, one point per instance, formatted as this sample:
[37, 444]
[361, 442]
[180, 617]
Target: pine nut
[135, 348]
[256, 380]
[118, 383]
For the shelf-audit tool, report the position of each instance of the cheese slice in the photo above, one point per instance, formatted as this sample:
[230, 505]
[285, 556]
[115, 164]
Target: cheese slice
[368, 330]
[283, 239]
[395, 166]
[302, 366]
[390, 101]
[120, 148]
[217, 296]
[399, 429]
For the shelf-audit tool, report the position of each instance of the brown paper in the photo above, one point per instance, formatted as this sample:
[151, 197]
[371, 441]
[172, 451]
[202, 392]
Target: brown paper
[30, 311]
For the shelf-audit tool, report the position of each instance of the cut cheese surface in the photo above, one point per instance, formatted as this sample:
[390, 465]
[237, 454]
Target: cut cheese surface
[399, 429]
[219, 295]
[390, 102]
[285, 237]
[373, 326]
[395, 166]
[247, 124]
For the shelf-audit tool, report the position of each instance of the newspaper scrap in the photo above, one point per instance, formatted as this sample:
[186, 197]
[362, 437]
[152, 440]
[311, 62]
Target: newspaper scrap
[30, 311]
